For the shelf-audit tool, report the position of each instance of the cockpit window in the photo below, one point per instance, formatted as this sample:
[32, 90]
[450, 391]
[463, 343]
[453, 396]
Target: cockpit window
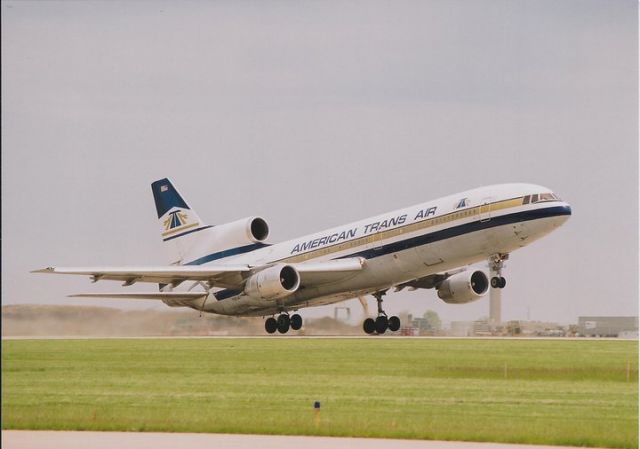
[538, 197]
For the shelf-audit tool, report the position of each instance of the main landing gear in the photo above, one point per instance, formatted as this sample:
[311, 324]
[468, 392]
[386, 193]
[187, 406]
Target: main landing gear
[382, 322]
[283, 323]
[496, 263]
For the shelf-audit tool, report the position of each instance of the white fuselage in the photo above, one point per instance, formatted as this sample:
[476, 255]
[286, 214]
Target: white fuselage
[402, 245]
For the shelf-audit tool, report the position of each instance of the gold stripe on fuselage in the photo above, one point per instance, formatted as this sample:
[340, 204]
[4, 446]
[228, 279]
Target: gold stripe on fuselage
[412, 227]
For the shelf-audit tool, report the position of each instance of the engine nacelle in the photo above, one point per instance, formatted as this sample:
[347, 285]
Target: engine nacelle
[246, 230]
[223, 237]
[464, 287]
[273, 283]
[232, 235]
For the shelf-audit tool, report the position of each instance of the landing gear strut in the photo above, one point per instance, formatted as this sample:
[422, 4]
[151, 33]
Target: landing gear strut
[496, 263]
[382, 322]
[283, 323]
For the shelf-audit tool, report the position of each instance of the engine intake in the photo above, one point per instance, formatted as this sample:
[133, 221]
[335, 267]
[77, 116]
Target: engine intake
[273, 283]
[464, 287]
[259, 229]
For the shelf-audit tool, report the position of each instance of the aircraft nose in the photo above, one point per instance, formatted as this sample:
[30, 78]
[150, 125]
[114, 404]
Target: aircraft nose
[566, 209]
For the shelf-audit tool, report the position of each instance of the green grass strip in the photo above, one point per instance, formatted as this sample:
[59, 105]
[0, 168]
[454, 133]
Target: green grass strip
[582, 393]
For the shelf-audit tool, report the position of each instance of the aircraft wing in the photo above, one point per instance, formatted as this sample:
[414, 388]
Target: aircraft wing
[218, 275]
[214, 275]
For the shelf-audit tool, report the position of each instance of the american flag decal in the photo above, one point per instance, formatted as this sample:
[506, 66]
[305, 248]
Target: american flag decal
[164, 188]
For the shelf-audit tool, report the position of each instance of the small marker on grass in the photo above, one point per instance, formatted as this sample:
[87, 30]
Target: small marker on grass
[316, 413]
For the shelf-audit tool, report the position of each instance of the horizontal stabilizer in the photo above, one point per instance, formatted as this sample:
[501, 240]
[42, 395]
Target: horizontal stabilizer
[172, 299]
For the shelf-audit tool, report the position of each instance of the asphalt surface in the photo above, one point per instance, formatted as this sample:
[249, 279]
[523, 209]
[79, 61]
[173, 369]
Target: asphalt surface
[43, 439]
[337, 337]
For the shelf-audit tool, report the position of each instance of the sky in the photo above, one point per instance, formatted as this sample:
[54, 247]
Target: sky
[315, 114]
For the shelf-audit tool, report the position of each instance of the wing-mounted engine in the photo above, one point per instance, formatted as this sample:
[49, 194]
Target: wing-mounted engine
[274, 282]
[464, 287]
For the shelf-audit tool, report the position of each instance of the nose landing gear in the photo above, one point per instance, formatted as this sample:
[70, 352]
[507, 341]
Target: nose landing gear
[498, 282]
[496, 263]
[382, 323]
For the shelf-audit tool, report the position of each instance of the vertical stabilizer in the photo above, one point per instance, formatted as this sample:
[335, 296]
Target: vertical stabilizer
[178, 222]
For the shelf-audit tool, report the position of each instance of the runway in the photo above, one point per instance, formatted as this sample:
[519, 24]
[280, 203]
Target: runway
[299, 337]
[44, 439]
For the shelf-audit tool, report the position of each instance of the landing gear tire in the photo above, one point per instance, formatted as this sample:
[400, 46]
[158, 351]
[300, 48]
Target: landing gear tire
[283, 323]
[394, 323]
[270, 325]
[295, 322]
[498, 282]
[369, 326]
[382, 324]
[496, 264]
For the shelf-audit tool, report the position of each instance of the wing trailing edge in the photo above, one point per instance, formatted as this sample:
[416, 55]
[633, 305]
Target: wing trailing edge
[153, 295]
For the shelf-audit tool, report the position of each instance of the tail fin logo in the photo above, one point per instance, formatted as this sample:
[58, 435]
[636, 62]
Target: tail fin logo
[175, 220]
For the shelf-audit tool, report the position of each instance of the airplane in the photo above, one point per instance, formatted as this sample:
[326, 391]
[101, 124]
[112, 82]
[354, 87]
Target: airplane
[231, 269]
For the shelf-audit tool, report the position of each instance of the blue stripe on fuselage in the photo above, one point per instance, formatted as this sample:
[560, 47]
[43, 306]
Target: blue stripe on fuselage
[228, 253]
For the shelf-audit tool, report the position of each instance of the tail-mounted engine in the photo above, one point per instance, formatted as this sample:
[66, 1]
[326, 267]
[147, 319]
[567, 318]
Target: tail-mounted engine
[237, 234]
[273, 283]
[244, 231]
[464, 287]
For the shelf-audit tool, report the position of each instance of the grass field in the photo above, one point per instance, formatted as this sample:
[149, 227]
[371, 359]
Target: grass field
[520, 391]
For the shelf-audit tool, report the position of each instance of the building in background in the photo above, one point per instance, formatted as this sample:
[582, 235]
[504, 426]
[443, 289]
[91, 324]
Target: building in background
[608, 326]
